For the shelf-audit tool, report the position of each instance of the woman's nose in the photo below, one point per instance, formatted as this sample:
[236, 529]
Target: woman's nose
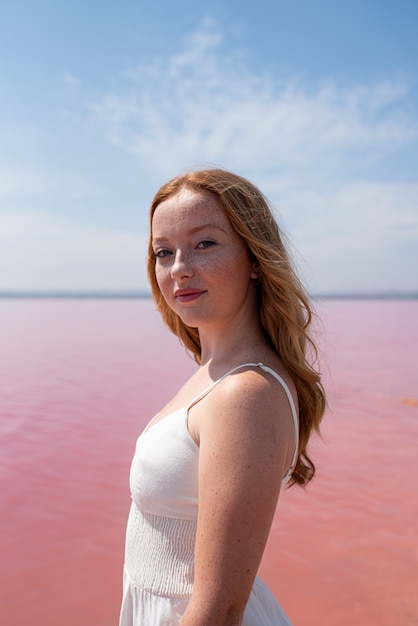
[181, 267]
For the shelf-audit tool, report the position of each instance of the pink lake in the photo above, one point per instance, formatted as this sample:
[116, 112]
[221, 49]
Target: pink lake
[79, 380]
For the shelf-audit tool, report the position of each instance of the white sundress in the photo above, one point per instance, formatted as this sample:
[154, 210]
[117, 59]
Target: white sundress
[160, 536]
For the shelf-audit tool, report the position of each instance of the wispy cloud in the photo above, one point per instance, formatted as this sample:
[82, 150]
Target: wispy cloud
[201, 105]
[359, 236]
[42, 251]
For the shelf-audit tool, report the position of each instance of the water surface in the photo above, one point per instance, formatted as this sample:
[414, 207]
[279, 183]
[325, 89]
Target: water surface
[79, 380]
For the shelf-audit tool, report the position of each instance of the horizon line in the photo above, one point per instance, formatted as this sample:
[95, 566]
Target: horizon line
[136, 294]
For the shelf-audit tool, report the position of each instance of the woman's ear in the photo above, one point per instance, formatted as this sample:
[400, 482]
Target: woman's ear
[255, 271]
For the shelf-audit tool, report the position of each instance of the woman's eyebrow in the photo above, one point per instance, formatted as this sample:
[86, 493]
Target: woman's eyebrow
[192, 231]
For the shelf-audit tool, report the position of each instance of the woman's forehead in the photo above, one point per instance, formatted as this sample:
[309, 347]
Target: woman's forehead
[188, 206]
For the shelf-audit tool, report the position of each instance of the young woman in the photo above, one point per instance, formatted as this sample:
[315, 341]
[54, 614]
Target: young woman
[208, 469]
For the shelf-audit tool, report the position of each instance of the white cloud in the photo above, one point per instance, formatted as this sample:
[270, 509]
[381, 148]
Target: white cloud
[42, 251]
[360, 236]
[201, 105]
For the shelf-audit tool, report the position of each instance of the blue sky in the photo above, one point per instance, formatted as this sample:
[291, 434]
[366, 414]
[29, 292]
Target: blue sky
[103, 101]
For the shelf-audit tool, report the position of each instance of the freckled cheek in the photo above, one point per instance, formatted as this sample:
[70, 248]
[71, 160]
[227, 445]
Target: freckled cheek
[209, 268]
[215, 269]
[230, 271]
[163, 280]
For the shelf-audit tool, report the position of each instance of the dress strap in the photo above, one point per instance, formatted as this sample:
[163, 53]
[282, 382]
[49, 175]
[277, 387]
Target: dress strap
[286, 389]
[289, 472]
[216, 382]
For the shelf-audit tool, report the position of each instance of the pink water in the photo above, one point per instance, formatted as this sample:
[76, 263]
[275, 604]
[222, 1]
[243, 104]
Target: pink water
[79, 379]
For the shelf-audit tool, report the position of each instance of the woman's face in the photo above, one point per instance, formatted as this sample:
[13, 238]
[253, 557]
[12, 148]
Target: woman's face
[203, 268]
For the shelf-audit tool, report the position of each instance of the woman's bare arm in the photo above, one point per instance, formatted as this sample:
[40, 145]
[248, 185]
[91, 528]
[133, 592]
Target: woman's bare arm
[246, 438]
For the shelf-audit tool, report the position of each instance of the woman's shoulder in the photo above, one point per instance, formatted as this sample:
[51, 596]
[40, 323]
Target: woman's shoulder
[257, 378]
[247, 415]
[256, 386]
[249, 396]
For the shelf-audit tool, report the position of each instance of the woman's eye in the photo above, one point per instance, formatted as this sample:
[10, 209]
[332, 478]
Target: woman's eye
[207, 243]
[162, 253]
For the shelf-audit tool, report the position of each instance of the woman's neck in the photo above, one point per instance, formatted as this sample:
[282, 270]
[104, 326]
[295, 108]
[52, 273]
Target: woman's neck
[232, 343]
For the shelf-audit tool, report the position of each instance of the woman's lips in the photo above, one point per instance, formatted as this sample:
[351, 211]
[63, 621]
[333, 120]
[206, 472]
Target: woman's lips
[188, 295]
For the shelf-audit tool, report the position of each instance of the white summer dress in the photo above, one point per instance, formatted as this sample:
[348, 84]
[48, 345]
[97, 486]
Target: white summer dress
[160, 536]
